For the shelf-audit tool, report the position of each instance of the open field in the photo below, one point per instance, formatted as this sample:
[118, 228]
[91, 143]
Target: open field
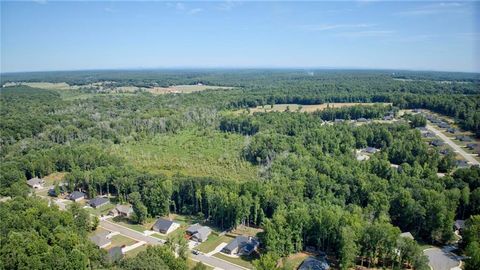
[305, 108]
[182, 89]
[192, 153]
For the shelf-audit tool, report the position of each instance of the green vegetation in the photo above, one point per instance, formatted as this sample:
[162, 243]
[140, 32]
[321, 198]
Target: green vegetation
[213, 241]
[191, 153]
[243, 261]
[290, 174]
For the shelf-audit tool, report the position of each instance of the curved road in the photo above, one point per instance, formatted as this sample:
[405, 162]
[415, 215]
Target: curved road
[455, 146]
[441, 259]
[212, 261]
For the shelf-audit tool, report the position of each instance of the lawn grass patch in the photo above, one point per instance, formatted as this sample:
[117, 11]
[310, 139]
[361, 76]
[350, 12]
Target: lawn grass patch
[120, 240]
[212, 242]
[242, 261]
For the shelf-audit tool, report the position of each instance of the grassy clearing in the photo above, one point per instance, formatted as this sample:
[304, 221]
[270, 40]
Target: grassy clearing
[213, 241]
[244, 230]
[192, 153]
[183, 89]
[305, 108]
[243, 261]
[120, 240]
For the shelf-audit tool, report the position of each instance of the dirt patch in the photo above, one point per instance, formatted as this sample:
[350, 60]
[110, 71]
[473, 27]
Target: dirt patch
[176, 89]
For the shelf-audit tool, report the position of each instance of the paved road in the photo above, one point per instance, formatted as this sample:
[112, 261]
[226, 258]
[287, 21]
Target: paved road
[457, 148]
[441, 259]
[212, 261]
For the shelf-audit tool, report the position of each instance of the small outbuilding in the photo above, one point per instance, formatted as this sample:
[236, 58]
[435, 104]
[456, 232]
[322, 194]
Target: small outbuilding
[407, 235]
[459, 225]
[437, 143]
[371, 150]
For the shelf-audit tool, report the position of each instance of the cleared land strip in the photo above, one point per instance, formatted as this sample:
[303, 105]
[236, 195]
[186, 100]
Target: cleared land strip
[218, 263]
[457, 148]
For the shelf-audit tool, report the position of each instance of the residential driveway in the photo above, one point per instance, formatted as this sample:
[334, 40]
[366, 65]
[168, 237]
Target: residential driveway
[455, 146]
[441, 259]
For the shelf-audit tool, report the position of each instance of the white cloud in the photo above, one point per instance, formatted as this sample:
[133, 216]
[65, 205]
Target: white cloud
[228, 5]
[325, 27]
[436, 8]
[195, 11]
[362, 34]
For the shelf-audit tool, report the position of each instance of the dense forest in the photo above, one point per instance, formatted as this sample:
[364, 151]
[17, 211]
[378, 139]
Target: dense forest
[309, 189]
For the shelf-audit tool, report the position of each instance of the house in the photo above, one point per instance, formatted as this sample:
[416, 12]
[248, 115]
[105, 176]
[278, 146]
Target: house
[437, 143]
[241, 245]
[115, 254]
[123, 210]
[452, 130]
[339, 120]
[444, 151]
[388, 117]
[371, 150]
[463, 138]
[199, 233]
[362, 120]
[311, 263]
[77, 196]
[428, 135]
[36, 183]
[472, 146]
[98, 201]
[462, 164]
[422, 129]
[443, 125]
[407, 235]
[165, 226]
[459, 225]
[101, 239]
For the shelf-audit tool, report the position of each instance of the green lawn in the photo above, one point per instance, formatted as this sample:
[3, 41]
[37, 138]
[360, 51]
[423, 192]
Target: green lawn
[212, 242]
[126, 222]
[244, 261]
[134, 252]
[193, 153]
[120, 240]
[102, 210]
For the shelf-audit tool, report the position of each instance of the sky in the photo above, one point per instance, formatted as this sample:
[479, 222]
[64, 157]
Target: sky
[46, 35]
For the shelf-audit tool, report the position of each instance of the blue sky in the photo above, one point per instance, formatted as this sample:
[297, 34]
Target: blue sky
[44, 35]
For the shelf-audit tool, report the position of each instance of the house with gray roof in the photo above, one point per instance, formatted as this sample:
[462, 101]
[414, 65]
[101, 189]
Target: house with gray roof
[101, 239]
[36, 183]
[437, 143]
[115, 254]
[463, 138]
[98, 202]
[371, 150]
[76, 196]
[462, 164]
[198, 232]
[459, 225]
[241, 245]
[123, 210]
[311, 263]
[165, 226]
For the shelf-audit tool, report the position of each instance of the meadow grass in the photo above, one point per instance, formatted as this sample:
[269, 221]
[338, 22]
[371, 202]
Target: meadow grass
[192, 153]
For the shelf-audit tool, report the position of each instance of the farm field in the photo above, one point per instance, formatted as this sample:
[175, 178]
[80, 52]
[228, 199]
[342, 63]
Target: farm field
[191, 153]
[183, 89]
[305, 108]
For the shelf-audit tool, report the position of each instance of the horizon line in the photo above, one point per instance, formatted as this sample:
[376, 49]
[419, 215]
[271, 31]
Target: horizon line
[237, 68]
